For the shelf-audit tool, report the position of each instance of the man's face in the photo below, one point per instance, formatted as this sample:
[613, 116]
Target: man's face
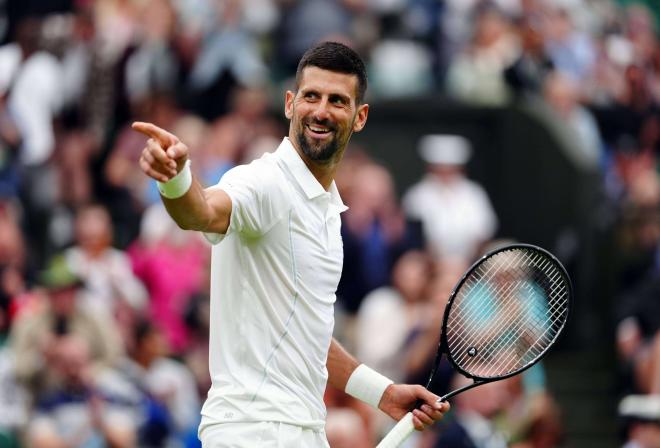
[324, 113]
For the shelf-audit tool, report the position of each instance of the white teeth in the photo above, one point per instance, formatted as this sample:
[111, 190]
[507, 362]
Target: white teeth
[318, 129]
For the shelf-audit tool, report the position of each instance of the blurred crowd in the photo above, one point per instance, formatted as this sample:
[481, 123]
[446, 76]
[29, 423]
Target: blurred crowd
[104, 303]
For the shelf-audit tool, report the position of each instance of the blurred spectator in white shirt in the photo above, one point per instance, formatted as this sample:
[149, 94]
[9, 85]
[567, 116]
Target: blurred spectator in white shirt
[31, 79]
[110, 285]
[406, 311]
[455, 211]
[33, 76]
[476, 75]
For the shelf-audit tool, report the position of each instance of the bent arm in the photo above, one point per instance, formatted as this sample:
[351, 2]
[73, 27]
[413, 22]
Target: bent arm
[165, 159]
[347, 374]
[206, 210]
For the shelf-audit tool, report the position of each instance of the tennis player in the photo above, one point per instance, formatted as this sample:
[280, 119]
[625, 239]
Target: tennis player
[276, 263]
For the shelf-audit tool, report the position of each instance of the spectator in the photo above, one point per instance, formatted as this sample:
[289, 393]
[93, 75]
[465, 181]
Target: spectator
[228, 56]
[476, 75]
[375, 233]
[110, 285]
[34, 337]
[132, 193]
[196, 358]
[638, 336]
[13, 397]
[527, 74]
[345, 429]
[305, 23]
[407, 299]
[169, 386]
[570, 49]
[472, 426]
[153, 65]
[562, 95]
[641, 419]
[411, 335]
[15, 274]
[29, 81]
[462, 217]
[231, 137]
[87, 406]
[170, 262]
[531, 415]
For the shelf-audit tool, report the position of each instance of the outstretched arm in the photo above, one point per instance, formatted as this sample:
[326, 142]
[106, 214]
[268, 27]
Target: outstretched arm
[165, 159]
[346, 373]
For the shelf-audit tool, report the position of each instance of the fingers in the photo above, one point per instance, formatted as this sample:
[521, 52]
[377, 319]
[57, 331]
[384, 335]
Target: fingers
[423, 418]
[426, 415]
[151, 172]
[160, 135]
[164, 155]
[431, 411]
[156, 154]
[155, 162]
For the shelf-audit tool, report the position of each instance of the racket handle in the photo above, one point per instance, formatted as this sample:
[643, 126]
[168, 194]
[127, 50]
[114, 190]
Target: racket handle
[399, 433]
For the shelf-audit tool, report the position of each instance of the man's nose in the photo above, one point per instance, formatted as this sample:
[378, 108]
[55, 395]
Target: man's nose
[321, 112]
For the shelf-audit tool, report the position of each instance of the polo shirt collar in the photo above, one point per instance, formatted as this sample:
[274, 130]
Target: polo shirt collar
[304, 177]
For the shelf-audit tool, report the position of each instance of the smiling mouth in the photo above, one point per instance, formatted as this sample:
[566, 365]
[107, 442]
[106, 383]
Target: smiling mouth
[318, 131]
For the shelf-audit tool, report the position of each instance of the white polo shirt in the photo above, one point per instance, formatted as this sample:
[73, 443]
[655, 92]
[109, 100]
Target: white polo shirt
[273, 281]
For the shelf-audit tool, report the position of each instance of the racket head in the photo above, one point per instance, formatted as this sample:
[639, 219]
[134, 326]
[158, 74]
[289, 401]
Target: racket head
[528, 275]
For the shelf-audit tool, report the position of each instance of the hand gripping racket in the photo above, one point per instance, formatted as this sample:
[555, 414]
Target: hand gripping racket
[502, 317]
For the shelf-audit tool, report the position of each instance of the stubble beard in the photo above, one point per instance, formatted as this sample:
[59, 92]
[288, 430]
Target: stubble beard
[316, 151]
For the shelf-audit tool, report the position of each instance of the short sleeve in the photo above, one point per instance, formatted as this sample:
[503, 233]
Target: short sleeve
[257, 199]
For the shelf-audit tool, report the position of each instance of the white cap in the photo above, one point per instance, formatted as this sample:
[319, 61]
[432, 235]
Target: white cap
[441, 149]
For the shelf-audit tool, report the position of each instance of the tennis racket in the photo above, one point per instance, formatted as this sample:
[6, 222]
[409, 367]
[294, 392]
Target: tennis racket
[502, 317]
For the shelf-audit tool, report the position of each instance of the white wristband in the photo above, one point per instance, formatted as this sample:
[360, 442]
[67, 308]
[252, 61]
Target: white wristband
[178, 185]
[367, 385]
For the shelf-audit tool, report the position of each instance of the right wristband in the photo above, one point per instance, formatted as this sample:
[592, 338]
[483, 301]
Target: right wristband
[178, 185]
[367, 385]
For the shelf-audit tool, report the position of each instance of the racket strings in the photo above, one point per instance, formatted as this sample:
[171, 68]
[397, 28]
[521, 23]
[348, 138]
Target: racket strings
[507, 313]
[495, 346]
[479, 313]
[516, 360]
[486, 289]
[514, 331]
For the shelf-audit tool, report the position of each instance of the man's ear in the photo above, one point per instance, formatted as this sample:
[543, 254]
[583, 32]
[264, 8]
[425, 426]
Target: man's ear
[288, 104]
[361, 117]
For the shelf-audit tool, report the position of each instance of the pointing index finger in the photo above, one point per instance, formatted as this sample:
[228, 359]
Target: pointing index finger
[160, 135]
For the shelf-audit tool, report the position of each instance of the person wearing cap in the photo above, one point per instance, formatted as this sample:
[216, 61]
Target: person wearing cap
[455, 211]
[35, 336]
[640, 416]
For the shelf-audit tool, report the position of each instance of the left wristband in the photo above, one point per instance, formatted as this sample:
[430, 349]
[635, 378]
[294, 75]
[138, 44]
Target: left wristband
[178, 185]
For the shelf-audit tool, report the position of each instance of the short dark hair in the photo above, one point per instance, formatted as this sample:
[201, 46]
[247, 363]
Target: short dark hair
[335, 57]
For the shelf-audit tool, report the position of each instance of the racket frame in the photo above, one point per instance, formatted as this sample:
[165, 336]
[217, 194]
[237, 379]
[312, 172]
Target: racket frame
[443, 346]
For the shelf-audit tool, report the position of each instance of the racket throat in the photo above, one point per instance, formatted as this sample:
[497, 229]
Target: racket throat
[462, 389]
